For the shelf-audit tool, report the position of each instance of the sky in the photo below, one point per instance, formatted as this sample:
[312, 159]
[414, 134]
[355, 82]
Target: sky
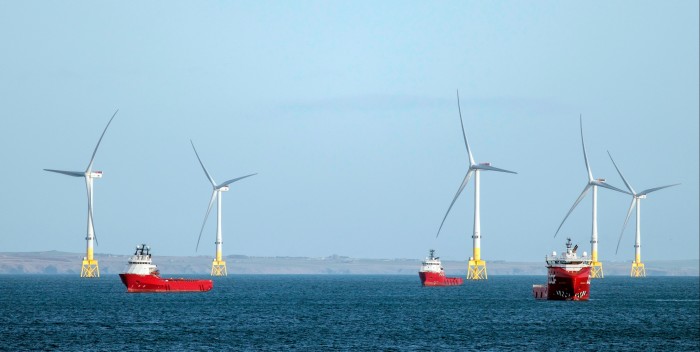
[348, 113]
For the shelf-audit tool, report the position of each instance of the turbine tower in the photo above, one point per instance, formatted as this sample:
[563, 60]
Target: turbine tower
[218, 266]
[637, 265]
[477, 266]
[90, 266]
[596, 266]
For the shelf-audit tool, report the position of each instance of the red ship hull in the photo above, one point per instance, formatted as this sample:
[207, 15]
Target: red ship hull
[153, 283]
[566, 285]
[438, 279]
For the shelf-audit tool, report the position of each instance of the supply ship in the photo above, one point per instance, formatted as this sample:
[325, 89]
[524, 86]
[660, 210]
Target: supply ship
[143, 276]
[432, 274]
[567, 276]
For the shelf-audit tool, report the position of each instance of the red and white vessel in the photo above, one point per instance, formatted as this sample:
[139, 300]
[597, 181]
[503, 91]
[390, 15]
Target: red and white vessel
[567, 276]
[432, 274]
[143, 276]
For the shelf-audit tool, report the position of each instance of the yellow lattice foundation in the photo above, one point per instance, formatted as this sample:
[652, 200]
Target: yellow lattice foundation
[638, 270]
[90, 268]
[596, 270]
[476, 270]
[218, 268]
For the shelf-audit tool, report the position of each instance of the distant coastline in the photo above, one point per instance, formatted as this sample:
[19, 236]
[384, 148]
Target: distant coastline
[54, 262]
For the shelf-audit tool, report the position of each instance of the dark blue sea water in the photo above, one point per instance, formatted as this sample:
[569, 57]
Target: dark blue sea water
[365, 313]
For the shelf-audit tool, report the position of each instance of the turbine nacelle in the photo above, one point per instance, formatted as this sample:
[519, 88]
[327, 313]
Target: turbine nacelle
[223, 189]
[94, 174]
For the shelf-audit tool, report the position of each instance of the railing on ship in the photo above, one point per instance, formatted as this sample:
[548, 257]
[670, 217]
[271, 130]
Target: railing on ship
[551, 259]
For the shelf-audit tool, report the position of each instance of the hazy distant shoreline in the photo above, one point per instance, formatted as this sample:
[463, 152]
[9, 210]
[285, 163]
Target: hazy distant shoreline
[54, 262]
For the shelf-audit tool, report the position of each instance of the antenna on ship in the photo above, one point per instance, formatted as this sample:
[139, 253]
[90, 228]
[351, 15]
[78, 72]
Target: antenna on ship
[90, 267]
[218, 266]
[637, 265]
[596, 266]
[477, 266]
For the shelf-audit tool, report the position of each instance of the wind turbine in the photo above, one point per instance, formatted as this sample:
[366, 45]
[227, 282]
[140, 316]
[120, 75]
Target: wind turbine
[596, 266]
[637, 265]
[90, 266]
[218, 267]
[477, 266]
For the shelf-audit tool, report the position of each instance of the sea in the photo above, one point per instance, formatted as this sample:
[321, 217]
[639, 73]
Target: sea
[347, 313]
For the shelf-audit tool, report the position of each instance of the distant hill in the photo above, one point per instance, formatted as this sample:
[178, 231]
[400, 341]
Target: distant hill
[54, 262]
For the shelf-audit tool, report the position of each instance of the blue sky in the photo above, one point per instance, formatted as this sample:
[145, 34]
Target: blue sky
[347, 112]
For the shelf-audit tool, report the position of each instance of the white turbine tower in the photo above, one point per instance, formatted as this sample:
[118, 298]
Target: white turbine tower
[637, 265]
[596, 266]
[477, 266]
[218, 267]
[90, 266]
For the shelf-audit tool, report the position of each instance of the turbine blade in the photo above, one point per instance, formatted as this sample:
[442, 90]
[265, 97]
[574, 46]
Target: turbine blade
[461, 187]
[203, 168]
[234, 180]
[92, 159]
[627, 184]
[629, 212]
[578, 200]
[605, 185]
[647, 191]
[94, 234]
[211, 203]
[69, 173]
[491, 168]
[585, 157]
[466, 143]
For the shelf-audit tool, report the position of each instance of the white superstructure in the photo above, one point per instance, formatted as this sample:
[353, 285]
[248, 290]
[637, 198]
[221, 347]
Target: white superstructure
[568, 260]
[431, 264]
[140, 263]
